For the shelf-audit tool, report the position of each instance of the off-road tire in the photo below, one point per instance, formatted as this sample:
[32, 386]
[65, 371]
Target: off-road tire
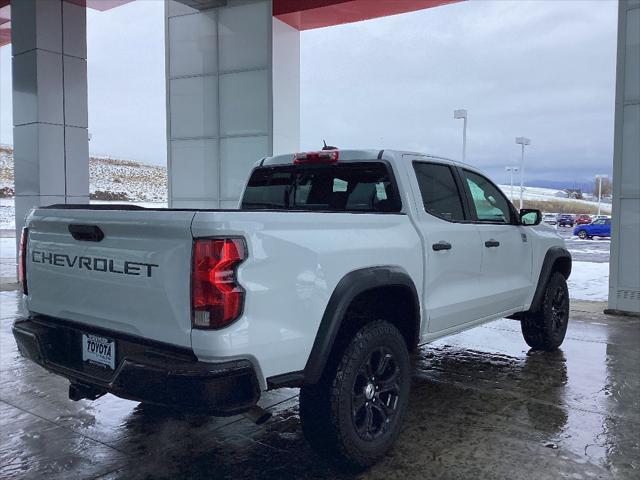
[328, 410]
[545, 328]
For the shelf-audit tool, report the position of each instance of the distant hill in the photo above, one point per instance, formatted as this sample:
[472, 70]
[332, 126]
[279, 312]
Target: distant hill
[109, 179]
[562, 185]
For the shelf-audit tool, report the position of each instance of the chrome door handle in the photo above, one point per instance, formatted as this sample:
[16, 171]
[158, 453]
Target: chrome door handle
[441, 245]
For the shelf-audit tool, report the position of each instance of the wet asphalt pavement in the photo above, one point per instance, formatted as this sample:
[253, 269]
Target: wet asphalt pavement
[481, 406]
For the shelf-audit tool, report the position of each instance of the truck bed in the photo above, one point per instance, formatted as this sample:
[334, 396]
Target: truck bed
[142, 280]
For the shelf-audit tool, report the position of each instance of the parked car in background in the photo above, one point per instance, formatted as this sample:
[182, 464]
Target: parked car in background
[550, 218]
[583, 220]
[597, 217]
[565, 220]
[598, 228]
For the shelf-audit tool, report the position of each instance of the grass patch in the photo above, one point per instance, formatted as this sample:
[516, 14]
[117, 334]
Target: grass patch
[567, 206]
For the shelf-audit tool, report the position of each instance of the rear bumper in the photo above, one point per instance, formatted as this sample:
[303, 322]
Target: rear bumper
[145, 371]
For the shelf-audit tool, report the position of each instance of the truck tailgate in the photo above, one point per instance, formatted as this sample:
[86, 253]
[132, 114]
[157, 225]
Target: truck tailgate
[134, 280]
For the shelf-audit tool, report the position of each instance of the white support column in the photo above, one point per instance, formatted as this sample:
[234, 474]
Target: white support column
[224, 109]
[624, 278]
[51, 148]
[286, 88]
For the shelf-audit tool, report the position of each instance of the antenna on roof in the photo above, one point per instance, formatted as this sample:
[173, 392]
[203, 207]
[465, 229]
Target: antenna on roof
[328, 147]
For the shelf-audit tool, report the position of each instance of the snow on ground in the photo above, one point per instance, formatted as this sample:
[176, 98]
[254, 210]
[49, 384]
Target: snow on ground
[109, 178]
[585, 251]
[534, 193]
[548, 194]
[7, 214]
[589, 281]
[7, 258]
[136, 181]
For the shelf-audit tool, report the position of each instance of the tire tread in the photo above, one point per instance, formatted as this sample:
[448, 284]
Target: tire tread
[322, 423]
[536, 326]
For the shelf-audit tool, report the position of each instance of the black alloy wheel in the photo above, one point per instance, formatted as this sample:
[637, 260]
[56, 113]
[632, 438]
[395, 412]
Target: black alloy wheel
[560, 308]
[546, 327]
[354, 414]
[375, 395]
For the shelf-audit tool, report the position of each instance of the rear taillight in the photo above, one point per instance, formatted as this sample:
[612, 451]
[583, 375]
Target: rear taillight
[324, 156]
[216, 297]
[22, 260]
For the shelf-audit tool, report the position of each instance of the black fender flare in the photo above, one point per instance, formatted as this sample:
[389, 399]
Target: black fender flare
[348, 288]
[550, 258]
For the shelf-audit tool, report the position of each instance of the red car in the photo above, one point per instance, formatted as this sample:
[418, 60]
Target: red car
[583, 220]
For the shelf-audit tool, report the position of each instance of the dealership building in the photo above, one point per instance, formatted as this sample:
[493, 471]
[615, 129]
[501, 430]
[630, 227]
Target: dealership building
[233, 96]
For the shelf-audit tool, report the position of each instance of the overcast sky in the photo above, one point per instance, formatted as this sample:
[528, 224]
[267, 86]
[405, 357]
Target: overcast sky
[541, 69]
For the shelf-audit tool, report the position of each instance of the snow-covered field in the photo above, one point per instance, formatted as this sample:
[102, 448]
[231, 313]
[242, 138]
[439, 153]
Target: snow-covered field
[550, 194]
[139, 182]
[109, 178]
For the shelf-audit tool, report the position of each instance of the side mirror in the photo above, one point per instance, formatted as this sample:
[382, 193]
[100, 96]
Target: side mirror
[530, 216]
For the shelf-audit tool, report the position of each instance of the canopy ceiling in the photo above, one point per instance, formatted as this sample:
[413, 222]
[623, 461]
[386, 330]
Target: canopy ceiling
[300, 14]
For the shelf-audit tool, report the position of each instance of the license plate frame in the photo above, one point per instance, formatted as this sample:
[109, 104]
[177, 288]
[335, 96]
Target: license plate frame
[98, 350]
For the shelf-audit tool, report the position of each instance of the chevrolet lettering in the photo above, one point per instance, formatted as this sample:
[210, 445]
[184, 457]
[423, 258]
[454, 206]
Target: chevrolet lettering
[97, 264]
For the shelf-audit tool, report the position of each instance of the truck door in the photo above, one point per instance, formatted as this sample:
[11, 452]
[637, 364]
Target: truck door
[451, 243]
[507, 255]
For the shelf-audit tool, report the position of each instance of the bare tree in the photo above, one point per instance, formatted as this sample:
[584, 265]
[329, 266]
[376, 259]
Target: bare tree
[607, 188]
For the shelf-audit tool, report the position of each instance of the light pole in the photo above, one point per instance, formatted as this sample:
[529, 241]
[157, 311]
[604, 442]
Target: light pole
[522, 141]
[511, 170]
[457, 114]
[600, 177]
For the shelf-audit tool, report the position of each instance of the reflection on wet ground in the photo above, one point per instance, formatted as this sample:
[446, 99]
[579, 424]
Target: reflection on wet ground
[481, 407]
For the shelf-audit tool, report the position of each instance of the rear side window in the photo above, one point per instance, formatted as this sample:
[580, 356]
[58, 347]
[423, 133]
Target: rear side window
[347, 187]
[439, 191]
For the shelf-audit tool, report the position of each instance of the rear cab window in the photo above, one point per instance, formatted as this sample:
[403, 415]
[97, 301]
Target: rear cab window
[339, 187]
[440, 194]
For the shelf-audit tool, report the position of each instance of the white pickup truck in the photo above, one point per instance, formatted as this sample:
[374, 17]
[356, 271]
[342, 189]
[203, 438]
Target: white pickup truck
[336, 265]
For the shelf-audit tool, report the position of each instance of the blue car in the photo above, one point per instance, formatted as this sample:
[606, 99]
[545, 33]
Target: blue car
[598, 228]
[565, 220]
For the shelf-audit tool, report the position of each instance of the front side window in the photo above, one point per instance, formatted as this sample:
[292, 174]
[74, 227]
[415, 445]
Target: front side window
[347, 187]
[488, 201]
[439, 191]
